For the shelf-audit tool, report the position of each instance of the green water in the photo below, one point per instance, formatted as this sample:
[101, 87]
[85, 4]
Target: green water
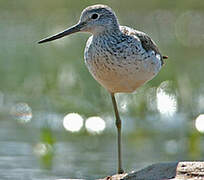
[40, 84]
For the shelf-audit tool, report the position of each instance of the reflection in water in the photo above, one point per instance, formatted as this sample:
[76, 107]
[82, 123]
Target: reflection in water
[45, 148]
[171, 147]
[73, 122]
[22, 112]
[166, 102]
[199, 123]
[95, 124]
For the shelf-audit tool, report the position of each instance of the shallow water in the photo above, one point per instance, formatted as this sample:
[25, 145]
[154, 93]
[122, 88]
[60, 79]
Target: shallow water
[41, 84]
[29, 152]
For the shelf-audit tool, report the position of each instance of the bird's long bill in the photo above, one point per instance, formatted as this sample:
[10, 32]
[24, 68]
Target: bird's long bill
[71, 30]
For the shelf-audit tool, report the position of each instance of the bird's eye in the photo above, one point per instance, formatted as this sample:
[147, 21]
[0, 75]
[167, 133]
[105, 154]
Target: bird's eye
[94, 16]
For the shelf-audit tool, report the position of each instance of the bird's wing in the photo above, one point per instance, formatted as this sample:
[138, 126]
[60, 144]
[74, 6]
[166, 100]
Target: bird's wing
[147, 43]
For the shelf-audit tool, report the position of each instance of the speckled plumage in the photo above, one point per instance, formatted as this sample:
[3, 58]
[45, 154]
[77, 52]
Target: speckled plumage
[119, 62]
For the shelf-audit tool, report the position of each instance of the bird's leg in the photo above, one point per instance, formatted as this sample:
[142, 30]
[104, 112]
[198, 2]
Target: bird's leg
[118, 125]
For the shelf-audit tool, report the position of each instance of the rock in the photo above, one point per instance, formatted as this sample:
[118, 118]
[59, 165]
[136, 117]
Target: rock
[164, 171]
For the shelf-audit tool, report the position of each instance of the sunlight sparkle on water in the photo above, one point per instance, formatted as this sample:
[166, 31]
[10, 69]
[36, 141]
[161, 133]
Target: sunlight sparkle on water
[22, 112]
[123, 101]
[166, 103]
[95, 124]
[73, 122]
[42, 149]
[199, 123]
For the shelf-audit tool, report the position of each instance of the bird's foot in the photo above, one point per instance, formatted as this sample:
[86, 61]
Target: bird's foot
[120, 171]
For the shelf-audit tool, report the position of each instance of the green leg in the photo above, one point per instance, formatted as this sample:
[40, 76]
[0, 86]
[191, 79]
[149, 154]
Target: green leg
[118, 125]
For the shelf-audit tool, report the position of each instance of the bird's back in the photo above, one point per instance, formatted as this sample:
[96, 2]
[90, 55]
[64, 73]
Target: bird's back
[121, 62]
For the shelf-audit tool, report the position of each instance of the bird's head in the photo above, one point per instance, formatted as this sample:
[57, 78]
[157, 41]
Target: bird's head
[95, 19]
[98, 18]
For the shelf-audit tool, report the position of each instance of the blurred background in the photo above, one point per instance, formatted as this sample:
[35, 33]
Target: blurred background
[57, 122]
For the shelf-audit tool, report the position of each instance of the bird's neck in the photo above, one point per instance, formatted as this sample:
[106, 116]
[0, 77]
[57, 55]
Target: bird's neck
[108, 32]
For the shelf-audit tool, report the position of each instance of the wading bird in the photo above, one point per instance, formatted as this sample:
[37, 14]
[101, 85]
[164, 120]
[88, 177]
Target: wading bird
[120, 58]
